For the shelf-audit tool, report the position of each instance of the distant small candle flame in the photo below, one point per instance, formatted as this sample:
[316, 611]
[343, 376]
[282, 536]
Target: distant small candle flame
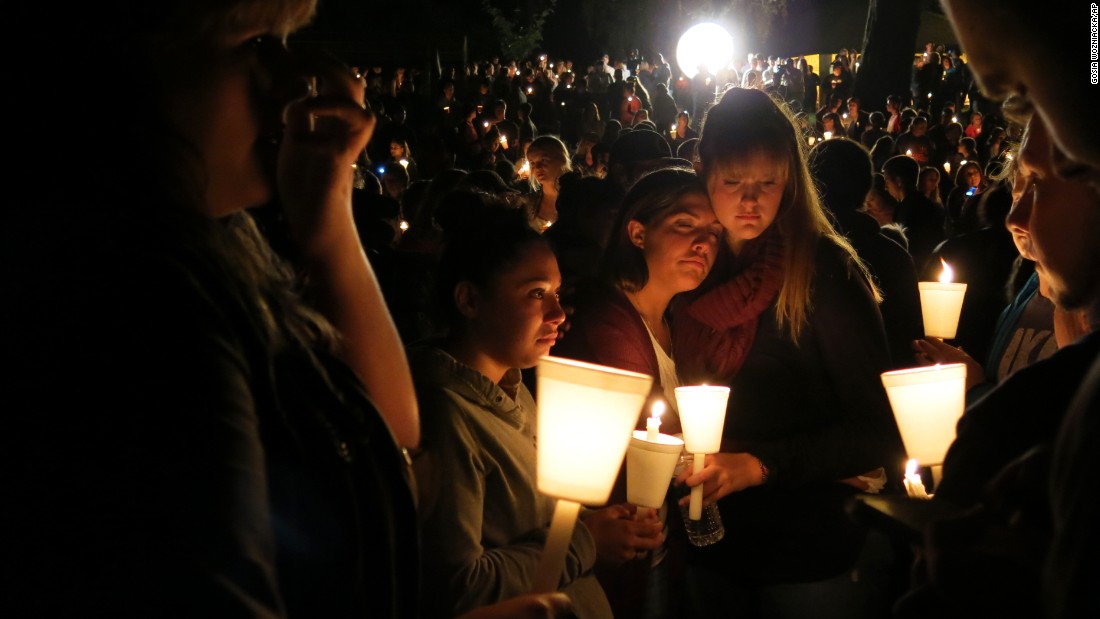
[948, 274]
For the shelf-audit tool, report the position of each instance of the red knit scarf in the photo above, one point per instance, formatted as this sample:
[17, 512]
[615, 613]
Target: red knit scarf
[726, 317]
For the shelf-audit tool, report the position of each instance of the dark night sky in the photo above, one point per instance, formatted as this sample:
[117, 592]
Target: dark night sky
[409, 31]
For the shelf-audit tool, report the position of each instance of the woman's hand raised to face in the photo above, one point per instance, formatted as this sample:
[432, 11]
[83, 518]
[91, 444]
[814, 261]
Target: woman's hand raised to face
[325, 133]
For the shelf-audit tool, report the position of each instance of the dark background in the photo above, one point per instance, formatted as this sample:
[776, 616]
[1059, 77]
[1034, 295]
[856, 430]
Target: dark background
[411, 32]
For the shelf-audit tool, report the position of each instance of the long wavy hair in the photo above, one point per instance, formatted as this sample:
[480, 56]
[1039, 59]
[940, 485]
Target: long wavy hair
[746, 123]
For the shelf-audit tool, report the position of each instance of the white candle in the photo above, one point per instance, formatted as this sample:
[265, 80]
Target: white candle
[941, 303]
[653, 423]
[585, 416]
[927, 403]
[695, 507]
[702, 414]
[914, 486]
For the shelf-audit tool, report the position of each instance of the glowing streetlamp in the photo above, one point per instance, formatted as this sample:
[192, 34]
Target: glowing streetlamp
[706, 44]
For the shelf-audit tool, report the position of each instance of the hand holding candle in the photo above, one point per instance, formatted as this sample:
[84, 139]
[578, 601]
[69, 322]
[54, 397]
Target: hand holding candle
[703, 415]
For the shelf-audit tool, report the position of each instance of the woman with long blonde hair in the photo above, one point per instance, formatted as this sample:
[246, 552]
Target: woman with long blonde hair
[549, 160]
[791, 323]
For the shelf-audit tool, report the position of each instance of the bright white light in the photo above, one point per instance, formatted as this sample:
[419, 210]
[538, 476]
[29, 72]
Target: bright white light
[705, 44]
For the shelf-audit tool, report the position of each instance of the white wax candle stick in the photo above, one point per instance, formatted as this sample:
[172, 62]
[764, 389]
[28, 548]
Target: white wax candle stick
[695, 508]
[652, 428]
[552, 560]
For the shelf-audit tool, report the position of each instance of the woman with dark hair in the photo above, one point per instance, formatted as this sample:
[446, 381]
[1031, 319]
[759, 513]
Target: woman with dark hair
[663, 243]
[962, 201]
[828, 126]
[482, 518]
[792, 324]
[401, 154]
[682, 132]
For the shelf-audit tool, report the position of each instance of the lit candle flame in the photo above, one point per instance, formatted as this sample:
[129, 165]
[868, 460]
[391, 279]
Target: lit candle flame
[404, 225]
[947, 166]
[404, 163]
[909, 153]
[954, 119]
[948, 274]
[810, 140]
[828, 135]
[911, 467]
[485, 124]
[658, 409]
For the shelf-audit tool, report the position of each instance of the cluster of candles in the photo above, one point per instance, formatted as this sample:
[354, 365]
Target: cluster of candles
[928, 401]
[587, 413]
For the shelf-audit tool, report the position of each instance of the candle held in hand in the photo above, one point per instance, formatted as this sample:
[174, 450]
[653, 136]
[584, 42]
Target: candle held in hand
[941, 303]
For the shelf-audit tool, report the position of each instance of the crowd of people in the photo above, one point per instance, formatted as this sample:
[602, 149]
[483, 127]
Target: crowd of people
[273, 350]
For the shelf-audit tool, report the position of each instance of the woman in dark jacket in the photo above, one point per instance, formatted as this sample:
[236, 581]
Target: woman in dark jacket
[793, 326]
